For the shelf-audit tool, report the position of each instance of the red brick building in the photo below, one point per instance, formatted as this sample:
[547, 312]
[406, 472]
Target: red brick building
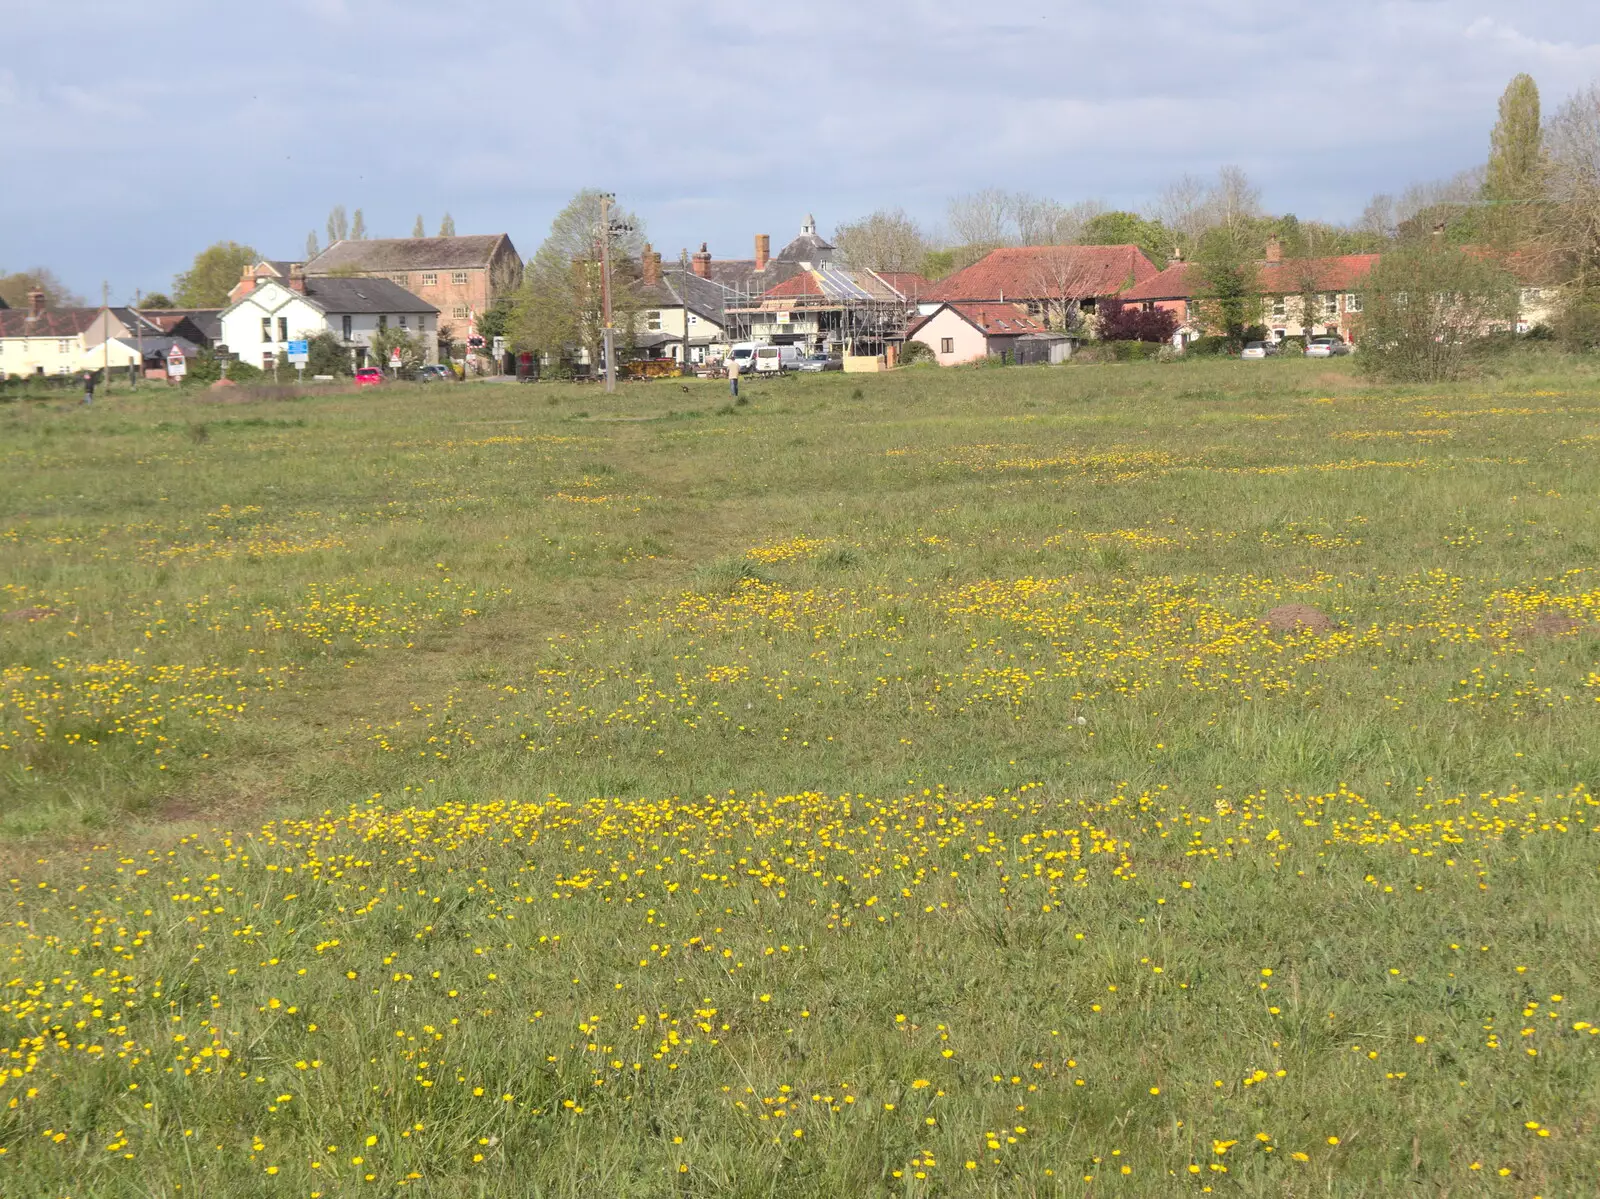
[460, 276]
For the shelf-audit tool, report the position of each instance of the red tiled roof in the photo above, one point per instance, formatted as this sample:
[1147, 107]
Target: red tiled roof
[908, 283]
[1046, 272]
[52, 322]
[990, 317]
[800, 285]
[1291, 276]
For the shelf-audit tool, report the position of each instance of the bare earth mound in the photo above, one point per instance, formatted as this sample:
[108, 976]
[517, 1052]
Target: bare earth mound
[1550, 624]
[1290, 618]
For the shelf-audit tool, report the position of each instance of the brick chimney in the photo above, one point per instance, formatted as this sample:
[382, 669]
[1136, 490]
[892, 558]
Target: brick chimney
[649, 266]
[246, 284]
[1176, 257]
[297, 278]
[1274, 249]
[763, 250]
[35, 304]
[701, 262]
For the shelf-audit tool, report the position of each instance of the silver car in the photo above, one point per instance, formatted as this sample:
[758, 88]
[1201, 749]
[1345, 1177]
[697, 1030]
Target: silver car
[1260, 349]
[1327, 346]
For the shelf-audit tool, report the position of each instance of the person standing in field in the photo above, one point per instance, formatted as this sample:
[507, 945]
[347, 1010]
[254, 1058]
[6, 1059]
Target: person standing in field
[88, 388]
[733, 377]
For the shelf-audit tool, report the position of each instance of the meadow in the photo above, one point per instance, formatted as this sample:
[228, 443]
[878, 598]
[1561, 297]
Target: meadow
[1104, 780]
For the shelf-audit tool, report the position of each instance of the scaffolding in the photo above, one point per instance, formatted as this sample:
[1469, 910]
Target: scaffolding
[839, 310]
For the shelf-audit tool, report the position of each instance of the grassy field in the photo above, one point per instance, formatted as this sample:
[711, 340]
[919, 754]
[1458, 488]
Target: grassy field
[1106, 780]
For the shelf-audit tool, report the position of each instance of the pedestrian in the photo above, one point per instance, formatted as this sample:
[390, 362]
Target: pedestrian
[88, 388]
[733, 377]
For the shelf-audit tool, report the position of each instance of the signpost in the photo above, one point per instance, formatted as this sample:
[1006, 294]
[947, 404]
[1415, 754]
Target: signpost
[299, 352]
[394, 361]
[176, 366]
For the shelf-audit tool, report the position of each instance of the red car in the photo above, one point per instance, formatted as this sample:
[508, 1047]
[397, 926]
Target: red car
[369, 376]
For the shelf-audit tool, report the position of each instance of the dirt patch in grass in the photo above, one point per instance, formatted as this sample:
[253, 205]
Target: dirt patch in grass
[1291, 618]
[1549, 624]
[31, 614]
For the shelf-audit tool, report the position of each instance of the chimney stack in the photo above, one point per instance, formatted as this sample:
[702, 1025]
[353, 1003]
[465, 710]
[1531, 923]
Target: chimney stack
[297, 278]
[1176, 257]
[701, 262]
[763, 250]
[35, 304]
[1438, 234]
[649, 266]
[1274, 249]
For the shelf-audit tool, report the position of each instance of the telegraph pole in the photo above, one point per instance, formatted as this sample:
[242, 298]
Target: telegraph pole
[105, 332]
[608, 333]
[138, 320]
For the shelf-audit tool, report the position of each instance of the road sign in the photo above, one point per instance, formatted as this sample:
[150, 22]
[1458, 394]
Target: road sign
[394, 358]
[475, 341]
[176, 366]
[299, 351]
[499, 347]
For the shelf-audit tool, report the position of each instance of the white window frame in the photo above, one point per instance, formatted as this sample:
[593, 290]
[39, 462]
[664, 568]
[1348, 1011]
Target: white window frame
[458, 277]
[430, 279]
[1330, 303]
[1352, 302]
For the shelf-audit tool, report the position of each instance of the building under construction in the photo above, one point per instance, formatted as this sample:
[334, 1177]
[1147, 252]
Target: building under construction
[829, 309]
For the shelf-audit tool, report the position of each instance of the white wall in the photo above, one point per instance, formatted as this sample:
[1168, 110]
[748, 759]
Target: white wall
[241, 325]
[968, 344]
[25, 355]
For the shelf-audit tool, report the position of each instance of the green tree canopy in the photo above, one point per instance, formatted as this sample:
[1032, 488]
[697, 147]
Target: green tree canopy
[157, 300]
[1129, 229]
[1228, 262]
[882, 241]
[1516, 149]
[216, 269]
[447, 226]
[1423, 304]
[557, 309]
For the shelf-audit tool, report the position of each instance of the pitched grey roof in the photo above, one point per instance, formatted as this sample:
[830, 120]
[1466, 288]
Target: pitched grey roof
[341, 295]
[408, 254]
[808, 247]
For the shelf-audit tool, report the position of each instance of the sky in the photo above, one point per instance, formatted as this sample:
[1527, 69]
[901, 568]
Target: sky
[133, 134]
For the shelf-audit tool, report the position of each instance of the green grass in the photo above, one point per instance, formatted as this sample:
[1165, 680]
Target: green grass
[653, 757]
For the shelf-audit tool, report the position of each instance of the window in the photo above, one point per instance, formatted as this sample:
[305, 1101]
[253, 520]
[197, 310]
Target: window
[1280, 307]
[1352, 302]
[1330, 304]
[652, 321]
[63, 346]
[283, 328]
[403, 279]
[458, 277]
[266, 328]
[347, 328]
[947, 345]
[430, 279]
[383, 323]
[459, 312]
[402, 322]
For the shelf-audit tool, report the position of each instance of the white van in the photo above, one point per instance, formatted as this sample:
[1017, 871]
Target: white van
[743, 355]
[775, 359]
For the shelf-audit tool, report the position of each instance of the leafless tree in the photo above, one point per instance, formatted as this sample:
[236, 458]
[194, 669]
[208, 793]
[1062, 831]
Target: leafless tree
[1233, 200]
[1464, 187]
[1378, 217]
[981, 218]
[1572, 185]
[1183, 208]
[1072, 219]
[886, 240]
[1060, 280]
[1036, 218]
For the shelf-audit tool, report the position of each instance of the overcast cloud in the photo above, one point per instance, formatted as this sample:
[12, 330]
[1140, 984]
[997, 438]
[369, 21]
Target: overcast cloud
[133, 134]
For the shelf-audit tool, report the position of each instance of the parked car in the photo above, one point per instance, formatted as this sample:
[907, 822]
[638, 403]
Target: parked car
[743, 355]
[435, 372]
[369, 376]
[1260, 349]
[777, 359]
[819, 362]
[1327, 346]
